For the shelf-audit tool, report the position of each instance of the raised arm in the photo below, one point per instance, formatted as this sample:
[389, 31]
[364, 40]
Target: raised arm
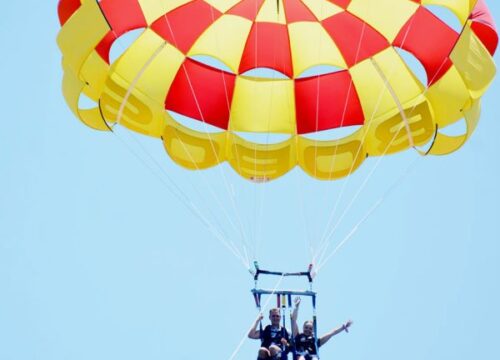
[254, 333]
[295, 315]
[345, 327]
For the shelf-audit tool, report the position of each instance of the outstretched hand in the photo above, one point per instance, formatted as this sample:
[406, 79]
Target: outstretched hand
[347, 325]
[297, 301]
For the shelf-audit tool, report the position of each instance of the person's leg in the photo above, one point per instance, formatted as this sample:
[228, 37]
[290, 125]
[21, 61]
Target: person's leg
[264, 354]
[274, 350]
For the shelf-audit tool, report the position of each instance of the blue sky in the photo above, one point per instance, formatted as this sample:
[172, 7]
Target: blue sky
[98, 260]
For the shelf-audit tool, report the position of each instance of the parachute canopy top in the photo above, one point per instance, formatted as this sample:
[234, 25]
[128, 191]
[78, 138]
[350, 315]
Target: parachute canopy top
[368, 83]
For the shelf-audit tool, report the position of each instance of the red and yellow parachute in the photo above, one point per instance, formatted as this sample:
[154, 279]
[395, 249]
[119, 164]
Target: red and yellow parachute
[374, 87]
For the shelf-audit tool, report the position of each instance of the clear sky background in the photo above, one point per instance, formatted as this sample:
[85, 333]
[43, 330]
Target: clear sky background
[98, 260]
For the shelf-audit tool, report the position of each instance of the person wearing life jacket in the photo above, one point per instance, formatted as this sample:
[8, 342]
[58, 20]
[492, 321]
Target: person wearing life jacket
[306, 344]
[274, 337]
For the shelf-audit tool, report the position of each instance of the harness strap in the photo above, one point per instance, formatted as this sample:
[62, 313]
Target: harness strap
[292, 338]
[257, 297]
[315, 326]
[283, 315]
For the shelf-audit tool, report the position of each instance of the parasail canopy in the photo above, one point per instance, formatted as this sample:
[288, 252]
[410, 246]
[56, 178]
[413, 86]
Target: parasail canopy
[335, 64]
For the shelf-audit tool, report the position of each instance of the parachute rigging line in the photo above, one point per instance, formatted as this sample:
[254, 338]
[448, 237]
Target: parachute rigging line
[122, 105]
[182, 197]
[410, 137]
[370, 212]
[245, 260]
[326, 241]
[347, 181]
[231, 196]
[229, 244]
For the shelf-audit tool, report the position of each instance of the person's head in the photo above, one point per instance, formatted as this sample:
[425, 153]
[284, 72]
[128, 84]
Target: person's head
[308, 328]
[275, 316]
